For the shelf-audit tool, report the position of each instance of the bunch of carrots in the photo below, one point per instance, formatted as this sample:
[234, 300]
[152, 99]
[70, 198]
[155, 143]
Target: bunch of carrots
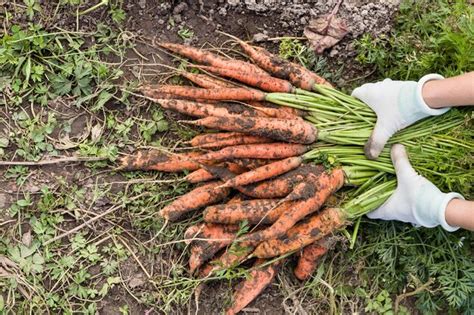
[255, 165]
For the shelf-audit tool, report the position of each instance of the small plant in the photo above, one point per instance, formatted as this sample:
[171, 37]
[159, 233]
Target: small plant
[185, 33]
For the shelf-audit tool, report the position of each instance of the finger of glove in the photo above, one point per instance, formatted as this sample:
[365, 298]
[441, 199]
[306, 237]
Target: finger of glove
[403, 168]
[395, 208]
[377, 140]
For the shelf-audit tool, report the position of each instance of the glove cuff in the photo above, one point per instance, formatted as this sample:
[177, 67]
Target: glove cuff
[442, 211]
[422, 106]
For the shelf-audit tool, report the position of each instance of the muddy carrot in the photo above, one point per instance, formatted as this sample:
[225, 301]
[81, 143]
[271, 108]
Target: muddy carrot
[147, 160]
[205, 81]
[208, 58]
[276, 112]
[247, 290]
[193, 93]
[251, 163]
[262, 82]
[326, 184]
[225, 139]
[315, 228]
[265, 172]
[199, 109]
[281, 68]
[199, 197]
[295, 131]
[217, 237]
[308, 260]
[258, 211]
[277, 150]
[202, 175]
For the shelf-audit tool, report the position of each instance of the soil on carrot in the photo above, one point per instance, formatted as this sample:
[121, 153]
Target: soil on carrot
[196, 23]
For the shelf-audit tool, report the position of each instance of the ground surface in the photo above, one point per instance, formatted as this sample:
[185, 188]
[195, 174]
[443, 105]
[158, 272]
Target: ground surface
[77, 192]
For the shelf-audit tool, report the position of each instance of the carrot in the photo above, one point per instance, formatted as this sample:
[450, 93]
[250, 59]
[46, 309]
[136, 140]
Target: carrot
[207, 58]
[197, 109]
[281, 68]
[225, 139]
[251, 163]
[202, 175]
[193, 93]
[265, 172]
[158, 161]
[217, 237]
[247, 290]
[282, 185]
[277, 150]
[276, 112]
[193, 200]
[326, 184]
[308, 259]
[295, 131]
[262, 82]
[303, 234]
[205, 81]
[236, 199]
[258, 211]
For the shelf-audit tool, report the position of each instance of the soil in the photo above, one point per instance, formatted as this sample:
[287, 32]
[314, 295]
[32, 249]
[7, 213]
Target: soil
[260, 20]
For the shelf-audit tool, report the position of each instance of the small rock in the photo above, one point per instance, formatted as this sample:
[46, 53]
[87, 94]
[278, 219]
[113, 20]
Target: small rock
[259, 37]
[177, 18]
[142, 4]
[233, 2]
[161, 21]
[222, 11]
[136, 281]
[181, 7]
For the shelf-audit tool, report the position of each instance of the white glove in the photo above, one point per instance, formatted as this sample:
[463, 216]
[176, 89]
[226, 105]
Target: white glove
[416, 200]
[397, 104]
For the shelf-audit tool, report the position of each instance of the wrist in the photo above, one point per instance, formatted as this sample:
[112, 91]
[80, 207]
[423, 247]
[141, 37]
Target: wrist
[428, 100]
[444, 216]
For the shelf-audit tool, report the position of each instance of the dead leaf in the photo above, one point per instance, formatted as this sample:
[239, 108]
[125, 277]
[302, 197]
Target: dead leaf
[26, 239]
[325, 31]
[136, 281]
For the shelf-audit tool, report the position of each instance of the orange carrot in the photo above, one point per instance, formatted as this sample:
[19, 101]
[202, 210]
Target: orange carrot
[225, 139]
[202, 175]
[265, 172]
[205, 81]
[276, 112]
[251, 163]
[147, 160]
[303, 234]
[308, 260]
[195, 199]
[247, 290]
[281, 68]
[217, 237]
[193, 93]
[258, 211]
[262, 82]
[277, 150]
[197, 109]
[208, 58]
[295, 131]
[326, 184]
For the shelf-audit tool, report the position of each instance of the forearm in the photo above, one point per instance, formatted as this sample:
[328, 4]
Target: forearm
[460, 213]
[455, 91]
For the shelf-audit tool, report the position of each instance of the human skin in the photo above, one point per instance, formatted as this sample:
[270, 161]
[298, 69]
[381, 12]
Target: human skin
[460, 213]
[455, 91]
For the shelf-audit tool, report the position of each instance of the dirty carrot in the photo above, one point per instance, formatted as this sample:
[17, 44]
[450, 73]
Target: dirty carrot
[208, 58]
[294, 131]
[199, 197]
[265, 172]
[303, 234]
[156, 160]
[308, 260]
[247, 290]
[276, 112]
[205, 81]
[296, 74]
[225, 139]
[199, 109]
[202, 175]
[217, 237]
[251, 163]
[262, 82]
[193, 93]
[258, 211]
[277, 150]
[326, 184]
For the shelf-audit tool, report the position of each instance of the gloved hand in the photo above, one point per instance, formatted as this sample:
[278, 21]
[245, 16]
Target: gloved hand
[416, 200]
[397, 104]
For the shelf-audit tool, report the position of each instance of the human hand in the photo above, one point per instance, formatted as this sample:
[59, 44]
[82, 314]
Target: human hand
[397, 104]
[416, 200]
